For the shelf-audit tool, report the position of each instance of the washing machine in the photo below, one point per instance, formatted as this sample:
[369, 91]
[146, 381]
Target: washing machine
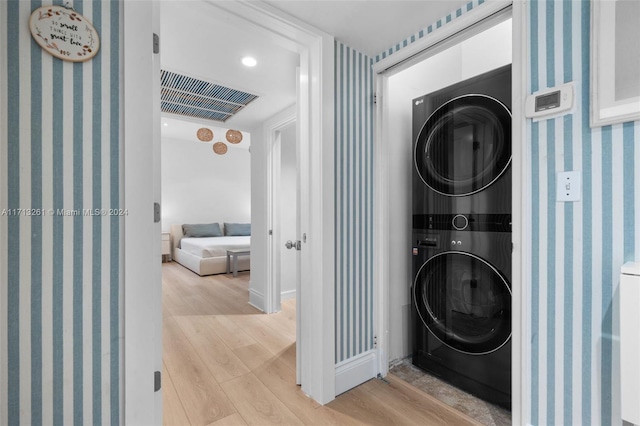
[462, 303]
[461, 237]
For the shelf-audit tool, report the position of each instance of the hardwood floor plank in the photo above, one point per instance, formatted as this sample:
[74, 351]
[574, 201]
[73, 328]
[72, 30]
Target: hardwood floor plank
[271, 339]
[359, 404]
[280, 324]
[232, 420]
[414, 405]
[253, 356]
[213, 294]
[258, 405]
[278, 377]
[173, 413]
[232, 335]
[172, 297]
[225, 299]
[219, 359]
[201, 396]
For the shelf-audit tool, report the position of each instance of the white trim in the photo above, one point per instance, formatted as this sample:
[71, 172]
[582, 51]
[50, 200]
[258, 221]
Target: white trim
[256, 299]
[355, 371]
[381, 223]
[521, 191]
[521, 214]
[290, 294]
[315, 121]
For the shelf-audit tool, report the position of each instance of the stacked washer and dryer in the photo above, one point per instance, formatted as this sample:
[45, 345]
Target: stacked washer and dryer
[461, 237]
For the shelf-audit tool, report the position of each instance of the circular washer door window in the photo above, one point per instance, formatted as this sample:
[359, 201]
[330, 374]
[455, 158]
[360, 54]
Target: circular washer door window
[464, 301]
[465, 145]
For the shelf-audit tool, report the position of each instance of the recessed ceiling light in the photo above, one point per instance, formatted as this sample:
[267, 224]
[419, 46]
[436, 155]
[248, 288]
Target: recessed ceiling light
[165, 124]
[248, 61]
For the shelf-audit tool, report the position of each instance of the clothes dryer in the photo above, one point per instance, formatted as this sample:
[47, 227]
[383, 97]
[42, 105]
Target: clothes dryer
[462, 147]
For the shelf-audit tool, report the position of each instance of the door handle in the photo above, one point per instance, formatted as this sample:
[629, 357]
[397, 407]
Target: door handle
[293, 244]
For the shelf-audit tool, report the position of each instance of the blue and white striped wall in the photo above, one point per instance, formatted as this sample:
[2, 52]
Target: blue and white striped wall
[577, 248]
[354, 202]
[429, 29]
[60, 289]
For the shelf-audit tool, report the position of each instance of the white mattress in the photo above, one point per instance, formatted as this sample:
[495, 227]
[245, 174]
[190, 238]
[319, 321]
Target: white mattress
[214, 246]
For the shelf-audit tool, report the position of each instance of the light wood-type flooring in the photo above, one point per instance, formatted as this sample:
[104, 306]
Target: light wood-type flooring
[225, 363]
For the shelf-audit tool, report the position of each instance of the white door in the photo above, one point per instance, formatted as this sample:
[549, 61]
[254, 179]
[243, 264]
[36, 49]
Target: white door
[142, 259]
[285, 223]
[288, 212]
[289, 245]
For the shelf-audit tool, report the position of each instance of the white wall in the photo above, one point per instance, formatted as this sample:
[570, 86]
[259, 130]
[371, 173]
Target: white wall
[199, 186]
[483, 52]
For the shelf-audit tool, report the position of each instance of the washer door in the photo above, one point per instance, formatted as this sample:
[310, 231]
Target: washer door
[465, 145]
[464, 301]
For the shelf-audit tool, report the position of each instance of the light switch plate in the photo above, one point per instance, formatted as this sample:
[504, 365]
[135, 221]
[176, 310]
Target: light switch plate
[568, 186]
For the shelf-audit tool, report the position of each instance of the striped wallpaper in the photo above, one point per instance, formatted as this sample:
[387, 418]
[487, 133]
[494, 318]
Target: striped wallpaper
[429, 29]
[577, 248]
[60, 294]
[354, 202]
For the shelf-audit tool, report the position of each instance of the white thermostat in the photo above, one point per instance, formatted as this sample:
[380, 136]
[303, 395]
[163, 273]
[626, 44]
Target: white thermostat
[549, 103]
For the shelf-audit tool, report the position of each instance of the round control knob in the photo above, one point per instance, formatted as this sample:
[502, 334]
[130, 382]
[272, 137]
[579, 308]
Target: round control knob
[460, 222]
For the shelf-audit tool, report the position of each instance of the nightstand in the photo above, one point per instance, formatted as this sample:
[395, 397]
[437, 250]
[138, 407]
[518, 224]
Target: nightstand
[166, 246]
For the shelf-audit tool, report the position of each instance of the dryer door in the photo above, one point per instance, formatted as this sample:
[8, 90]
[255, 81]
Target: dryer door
[464, 301]
[464, 146]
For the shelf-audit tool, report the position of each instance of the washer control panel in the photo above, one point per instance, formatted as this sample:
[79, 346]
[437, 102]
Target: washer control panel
[463, 222]
[460, 222]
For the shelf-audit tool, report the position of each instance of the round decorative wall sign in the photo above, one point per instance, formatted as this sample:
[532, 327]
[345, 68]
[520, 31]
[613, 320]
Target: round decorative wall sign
[220, 148]
[205, 135]
[234, 136]
[64, 33]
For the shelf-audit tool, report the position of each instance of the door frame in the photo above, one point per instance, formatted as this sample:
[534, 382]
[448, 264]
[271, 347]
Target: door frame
[142, 274]
[316, 103]
[315, 121]
[403, 59]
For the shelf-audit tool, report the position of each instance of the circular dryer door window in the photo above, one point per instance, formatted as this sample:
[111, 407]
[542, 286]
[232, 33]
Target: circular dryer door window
[464, 301]
[465, 145]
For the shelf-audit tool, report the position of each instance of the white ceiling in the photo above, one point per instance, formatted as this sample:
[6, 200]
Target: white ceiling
[197, 40]
[369, 26]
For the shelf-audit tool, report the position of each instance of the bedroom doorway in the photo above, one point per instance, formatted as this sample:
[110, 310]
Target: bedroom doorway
[316, 358]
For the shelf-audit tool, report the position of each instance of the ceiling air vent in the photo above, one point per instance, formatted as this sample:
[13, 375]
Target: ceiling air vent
[187, 96]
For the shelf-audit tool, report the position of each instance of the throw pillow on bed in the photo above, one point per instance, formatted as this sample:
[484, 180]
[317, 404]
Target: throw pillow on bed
[201, 230]
[237, 229]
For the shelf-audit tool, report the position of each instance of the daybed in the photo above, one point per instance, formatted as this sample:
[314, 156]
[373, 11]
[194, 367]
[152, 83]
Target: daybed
[196, 249]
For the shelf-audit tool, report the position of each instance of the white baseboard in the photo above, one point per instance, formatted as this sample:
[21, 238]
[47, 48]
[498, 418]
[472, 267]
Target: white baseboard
[256, 299]
[291, 294]
[355, 371]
